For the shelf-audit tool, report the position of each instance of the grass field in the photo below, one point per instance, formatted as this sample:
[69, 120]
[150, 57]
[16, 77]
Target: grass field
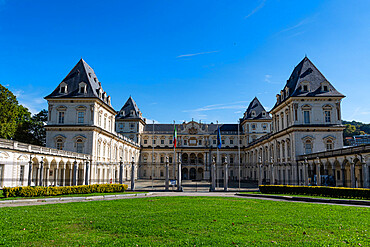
[294, 195]
[185, 221]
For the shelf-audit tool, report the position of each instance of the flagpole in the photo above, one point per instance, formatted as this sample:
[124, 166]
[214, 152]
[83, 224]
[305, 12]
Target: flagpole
[174, 152]
[217, 182]
[152, 154]
[239, 152]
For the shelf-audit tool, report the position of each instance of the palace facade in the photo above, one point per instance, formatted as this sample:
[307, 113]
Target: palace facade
[268, 147]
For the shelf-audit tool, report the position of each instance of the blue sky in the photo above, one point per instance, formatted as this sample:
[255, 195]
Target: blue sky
[186, 59]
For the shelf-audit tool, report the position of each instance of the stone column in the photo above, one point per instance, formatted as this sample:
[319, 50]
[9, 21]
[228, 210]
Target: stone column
[64, 176]
[343, 169]
[41, 172]
[179, 186]
[365, 174]
[353, 177]
[70, 175]
[47, 176]
[226, 175]
[334, 173]
[87, 173]
[133, 174]
[305, 174]
[318, 174]
[30, 172]
[272, 173]
[56, 176]
[74, 178]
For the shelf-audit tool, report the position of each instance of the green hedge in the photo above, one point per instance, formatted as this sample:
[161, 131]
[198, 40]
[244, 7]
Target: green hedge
[338, 192]
[29, 191]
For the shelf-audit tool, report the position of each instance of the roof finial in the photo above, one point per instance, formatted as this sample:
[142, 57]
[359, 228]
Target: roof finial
[305, 55]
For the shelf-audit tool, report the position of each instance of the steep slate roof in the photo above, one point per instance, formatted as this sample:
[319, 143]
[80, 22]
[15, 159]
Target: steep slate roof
[82, 72]
[307, 71]
[130, 110]
[257, 107]
[212, 128]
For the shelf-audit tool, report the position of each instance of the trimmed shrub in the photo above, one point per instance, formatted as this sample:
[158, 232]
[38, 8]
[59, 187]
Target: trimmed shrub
[29, 191]
[337, 192]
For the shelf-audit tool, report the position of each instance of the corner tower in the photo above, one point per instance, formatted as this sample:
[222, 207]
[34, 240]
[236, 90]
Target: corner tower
[129, 120]
[256, 121]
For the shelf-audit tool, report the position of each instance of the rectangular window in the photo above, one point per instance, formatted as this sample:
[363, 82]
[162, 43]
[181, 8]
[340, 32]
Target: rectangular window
[214, 142]
[223, 141]
[185, 142]
[327, 117]
[200, 142]
[329, 146]
[61, 117]
[170, 159]
[153, 142]
[120, 126]
[231, 142]
[145, 141]
[231, 160]
[306, 116]
[162, 159]
[132, 126]
[80, 147]
[81, 116]
[162, 142]
[170, 141]
[308, 148]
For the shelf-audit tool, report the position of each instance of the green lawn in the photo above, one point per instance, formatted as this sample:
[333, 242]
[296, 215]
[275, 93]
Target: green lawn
[309, 196]
[185, 221]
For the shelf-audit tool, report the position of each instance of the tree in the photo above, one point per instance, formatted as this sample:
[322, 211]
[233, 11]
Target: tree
[9, 110]
[31, 129]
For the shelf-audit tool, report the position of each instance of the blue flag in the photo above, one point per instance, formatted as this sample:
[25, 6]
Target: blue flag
[219, 142]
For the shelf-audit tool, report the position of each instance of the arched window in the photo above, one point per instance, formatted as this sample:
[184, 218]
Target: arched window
[59, 144]
[79, 146]
[308, 146]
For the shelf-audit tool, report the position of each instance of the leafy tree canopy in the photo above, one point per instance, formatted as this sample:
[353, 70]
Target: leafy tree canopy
[17, 123]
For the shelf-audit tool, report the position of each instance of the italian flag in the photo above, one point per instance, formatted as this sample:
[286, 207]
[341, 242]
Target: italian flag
[174, 136]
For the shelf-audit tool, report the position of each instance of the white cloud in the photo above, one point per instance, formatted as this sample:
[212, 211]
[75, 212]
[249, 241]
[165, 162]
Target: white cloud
[299, 24]
[150, 121]
[195, 54]
[235, 105]
[256, 9]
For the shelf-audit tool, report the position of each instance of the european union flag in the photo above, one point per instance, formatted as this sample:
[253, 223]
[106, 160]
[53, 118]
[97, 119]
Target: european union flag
[219, 138]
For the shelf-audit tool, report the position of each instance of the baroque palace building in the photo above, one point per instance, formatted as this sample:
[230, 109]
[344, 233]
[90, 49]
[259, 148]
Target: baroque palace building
[299, 141]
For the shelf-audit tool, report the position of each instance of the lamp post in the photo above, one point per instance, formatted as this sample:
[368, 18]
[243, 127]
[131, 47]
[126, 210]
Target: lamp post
[167, 185]
[30, 171]
[87, 172]
[41, 171]
[120, 171]
[133, 174]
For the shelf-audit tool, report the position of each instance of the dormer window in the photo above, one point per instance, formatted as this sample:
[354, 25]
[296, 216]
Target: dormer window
[253, 113]
[324, 87]
[82, 88]
[263, 114]
[95, 80]
[305, 86]
[63, 88]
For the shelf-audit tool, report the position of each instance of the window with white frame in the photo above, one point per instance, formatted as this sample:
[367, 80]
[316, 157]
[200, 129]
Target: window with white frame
[120, 126]
[79, 146]
[329, 145]
[327, 116]
[60, 117]
[308, 146]
[59, 144]
[80, 117]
